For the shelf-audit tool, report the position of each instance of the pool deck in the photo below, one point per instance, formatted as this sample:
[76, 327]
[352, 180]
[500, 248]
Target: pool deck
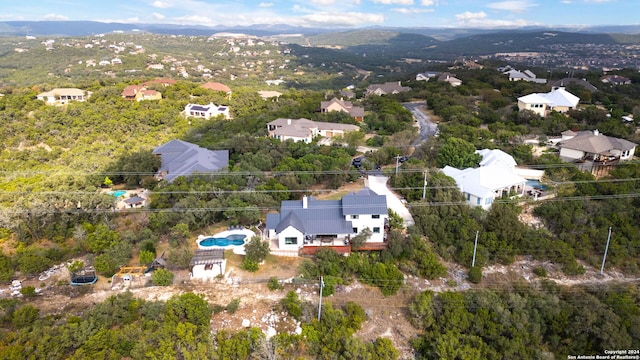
[246, 232]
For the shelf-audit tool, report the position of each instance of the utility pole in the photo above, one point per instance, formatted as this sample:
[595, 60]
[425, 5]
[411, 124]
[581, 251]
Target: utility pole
[475, 246]
[397, 163]
[605, 251]
[424, 187]
[320, 302]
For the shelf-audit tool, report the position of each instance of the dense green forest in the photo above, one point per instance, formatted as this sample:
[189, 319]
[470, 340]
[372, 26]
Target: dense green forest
[56, 160]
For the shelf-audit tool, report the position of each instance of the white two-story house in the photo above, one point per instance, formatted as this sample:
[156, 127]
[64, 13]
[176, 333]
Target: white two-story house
[313, 222]
[206, 111]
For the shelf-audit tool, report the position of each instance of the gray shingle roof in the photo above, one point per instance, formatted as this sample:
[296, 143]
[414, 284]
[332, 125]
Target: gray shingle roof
[589, 142]
[180, 158]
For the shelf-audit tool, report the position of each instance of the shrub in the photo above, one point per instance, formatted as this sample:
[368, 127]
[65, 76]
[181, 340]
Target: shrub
[274, 284]
[249, 265]
[292, 305]
[162, 277]
[233, 306]
[540, 271]
[475, 275]
[28, 291]
[146, 257]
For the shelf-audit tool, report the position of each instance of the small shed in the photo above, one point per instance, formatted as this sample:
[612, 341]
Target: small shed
[207, 264]
[135, 202]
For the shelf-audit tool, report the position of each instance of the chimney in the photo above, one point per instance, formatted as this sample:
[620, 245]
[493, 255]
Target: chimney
[304, 202]
[289, 123]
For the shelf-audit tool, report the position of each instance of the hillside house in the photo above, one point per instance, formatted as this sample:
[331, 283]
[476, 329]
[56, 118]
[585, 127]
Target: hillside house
[140, 93]
[449, 78]
[564, 82]
[306, 130]
[496, 177]
[527, 75]
[216, 86]
[311, 222]
[592, 146]
[427, 75]
[386, 88]
[180, 158]
[356, 112]
[206, 111]
[615, 80]
[559, 100]
[61, 96]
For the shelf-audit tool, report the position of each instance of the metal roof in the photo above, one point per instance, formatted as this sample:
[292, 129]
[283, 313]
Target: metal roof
[320, 217]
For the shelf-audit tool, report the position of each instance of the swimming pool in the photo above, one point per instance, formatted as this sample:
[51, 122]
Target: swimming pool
[229, 239]
[118, 193]
[233, 239]
[536, 185]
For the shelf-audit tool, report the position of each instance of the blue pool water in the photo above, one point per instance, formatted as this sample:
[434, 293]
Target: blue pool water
[233, 239]
[536, 184]
[118, 193]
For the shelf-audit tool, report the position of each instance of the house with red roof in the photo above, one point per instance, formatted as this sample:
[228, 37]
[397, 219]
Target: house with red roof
[216, 86]
[140, 93]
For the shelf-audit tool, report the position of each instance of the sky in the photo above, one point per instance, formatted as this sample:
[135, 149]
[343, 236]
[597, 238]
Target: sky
[334, 13]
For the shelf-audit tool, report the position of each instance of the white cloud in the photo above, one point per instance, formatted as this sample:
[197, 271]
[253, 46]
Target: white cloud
[157, 16]
[411, 10]
[323, 2]
[55, 17]
[428, 2]
[161, 4]
[469, 16]
[512, 6]
[480, 20]
[598, 1]
[393, 2]
[265, 5]
[340, 19]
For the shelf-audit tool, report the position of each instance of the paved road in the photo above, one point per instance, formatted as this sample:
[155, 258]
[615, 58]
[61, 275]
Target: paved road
[379, 185]
[427, 128]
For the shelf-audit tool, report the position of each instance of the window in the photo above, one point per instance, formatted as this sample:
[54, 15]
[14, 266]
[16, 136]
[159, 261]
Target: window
[376, 230]
[468, 196]
[488, 201]
[291, 241]
[478, 201]
[353, 217]
[355, 230]
[375, 216]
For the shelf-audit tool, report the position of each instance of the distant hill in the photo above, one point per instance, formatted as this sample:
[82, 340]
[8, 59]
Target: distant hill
[83, 28]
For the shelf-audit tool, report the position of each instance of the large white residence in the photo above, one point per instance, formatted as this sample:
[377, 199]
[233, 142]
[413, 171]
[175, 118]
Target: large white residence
[496, 177]
[206, 111]
[559, 100]
[313, 222]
